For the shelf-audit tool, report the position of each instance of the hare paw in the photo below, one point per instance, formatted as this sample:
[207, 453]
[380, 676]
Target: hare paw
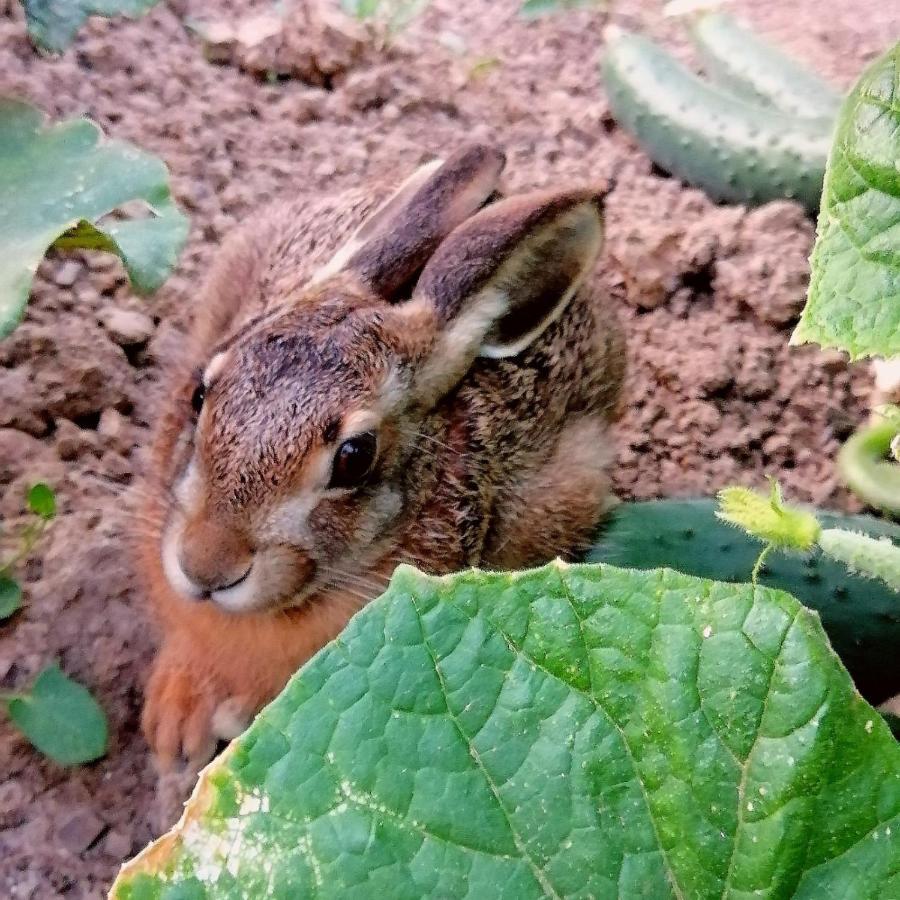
[187, 712]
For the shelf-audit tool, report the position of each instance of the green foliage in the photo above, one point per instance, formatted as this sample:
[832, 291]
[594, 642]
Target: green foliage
[56, 182]
[57, 715]
[767, 518]
[858, 614]
[569, 731]
[735, 151]
[60, 718]
[42, 501]
[532, 9]
[854, 291]
[735, 57]
[52, 24]
[864, 465]
[394, 14]
[10, 596]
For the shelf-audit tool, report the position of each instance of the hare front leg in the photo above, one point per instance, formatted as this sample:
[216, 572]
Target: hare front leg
[191, 704]
[215, 670]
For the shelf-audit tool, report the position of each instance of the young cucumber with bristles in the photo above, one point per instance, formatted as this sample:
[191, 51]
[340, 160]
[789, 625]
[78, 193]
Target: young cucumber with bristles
[739, 60]
[735, 151]
[861, 615]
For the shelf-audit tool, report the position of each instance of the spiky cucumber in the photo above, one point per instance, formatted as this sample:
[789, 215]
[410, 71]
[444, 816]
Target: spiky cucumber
[735, 57]
[865, 466]
[861, 615]
[733, 150]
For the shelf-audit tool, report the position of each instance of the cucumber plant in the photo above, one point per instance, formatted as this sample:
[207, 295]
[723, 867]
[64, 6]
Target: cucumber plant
[748, 149]
[59, 185]
[736, 58]
[57, 715]
[854, 292]
[854, 288]
[782, 527]
[53, 24]
[571, 731]
[861, 615]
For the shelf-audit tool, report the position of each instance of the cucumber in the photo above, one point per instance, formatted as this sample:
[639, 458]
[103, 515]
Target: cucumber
[739, 60]
[865, 467]
[860, 615]
[733, 150]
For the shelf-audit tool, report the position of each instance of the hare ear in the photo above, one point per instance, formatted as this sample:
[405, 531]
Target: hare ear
[503, 276]
[390, 248]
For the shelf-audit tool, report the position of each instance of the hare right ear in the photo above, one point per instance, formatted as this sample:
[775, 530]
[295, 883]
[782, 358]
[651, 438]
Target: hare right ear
[499, 280]
[391, 247]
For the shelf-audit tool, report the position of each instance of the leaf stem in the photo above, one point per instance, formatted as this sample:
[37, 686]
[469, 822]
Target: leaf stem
[29, 537]
[760, 562]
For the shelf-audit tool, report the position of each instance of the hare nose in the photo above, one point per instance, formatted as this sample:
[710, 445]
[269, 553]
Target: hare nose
[214, 557]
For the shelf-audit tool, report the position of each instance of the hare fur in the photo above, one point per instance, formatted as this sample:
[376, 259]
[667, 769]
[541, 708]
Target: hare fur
[427, 381]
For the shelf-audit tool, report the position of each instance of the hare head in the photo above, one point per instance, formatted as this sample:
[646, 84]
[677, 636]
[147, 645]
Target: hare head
[301, 423]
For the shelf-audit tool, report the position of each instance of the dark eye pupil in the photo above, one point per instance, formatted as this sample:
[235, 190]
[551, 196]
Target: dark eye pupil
[353, 460]
[198, 397]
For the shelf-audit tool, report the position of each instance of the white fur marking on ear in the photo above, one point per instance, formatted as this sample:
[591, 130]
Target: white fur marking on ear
[456, 346]
[502, 351]
[590, 253]
[369, 227]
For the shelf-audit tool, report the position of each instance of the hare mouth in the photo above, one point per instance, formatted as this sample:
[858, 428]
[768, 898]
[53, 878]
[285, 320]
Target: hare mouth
[242, 595]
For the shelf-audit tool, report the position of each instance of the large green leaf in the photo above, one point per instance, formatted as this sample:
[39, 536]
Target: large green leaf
[52, 24]
[854, 291]
[579, 731]
[55, 183]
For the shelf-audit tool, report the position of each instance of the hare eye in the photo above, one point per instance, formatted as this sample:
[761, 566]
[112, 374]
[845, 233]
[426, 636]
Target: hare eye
[353, 460]
[198, 397]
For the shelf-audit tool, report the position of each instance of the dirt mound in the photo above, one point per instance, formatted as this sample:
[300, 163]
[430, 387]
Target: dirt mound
[708, 296]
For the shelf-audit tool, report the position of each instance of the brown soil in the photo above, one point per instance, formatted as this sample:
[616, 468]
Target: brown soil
[708, 295]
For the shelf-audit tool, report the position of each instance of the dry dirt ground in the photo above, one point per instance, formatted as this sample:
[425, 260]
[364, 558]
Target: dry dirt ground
[707, 293]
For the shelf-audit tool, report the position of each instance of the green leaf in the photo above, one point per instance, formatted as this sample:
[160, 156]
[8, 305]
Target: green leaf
[56, 182]
[52, 24]
[42, 500]
[360, 9]
[859, 615]
[396, 14]
[532, 9]
[61, 719]
[10, 596]
[569, 731]
[854, 291]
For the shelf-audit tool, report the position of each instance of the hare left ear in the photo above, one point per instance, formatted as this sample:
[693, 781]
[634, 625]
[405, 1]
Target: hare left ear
[390, 248]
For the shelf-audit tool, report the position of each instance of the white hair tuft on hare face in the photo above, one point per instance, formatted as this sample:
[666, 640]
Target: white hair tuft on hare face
[423, 392]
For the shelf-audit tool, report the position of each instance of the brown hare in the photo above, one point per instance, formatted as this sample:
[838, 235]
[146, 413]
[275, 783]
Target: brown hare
[428, 382]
